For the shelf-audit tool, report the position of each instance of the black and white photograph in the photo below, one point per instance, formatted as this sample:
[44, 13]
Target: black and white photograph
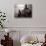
[23, 11]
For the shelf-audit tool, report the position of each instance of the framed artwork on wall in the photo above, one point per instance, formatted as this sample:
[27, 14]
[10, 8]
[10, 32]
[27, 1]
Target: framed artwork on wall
[23, 11]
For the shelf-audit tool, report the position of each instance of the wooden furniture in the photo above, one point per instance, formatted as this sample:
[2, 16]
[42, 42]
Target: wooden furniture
[8, 41]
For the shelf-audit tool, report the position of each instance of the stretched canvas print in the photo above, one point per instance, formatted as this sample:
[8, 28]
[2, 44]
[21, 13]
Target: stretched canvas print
[23, 11]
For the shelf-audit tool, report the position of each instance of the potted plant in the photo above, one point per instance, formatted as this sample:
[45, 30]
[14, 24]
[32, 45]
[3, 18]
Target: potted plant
[2, 19]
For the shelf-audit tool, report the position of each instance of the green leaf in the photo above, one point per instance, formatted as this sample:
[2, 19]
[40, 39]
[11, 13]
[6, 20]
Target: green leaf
[0, 12]
[4, 13]
[0, 21]
[4, 16]
[3, 19]
[2, 26]
[0, 15]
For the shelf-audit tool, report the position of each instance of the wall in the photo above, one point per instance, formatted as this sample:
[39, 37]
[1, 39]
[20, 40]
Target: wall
[38, 8]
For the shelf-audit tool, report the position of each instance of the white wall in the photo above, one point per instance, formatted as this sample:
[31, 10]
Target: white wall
[38, 8]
